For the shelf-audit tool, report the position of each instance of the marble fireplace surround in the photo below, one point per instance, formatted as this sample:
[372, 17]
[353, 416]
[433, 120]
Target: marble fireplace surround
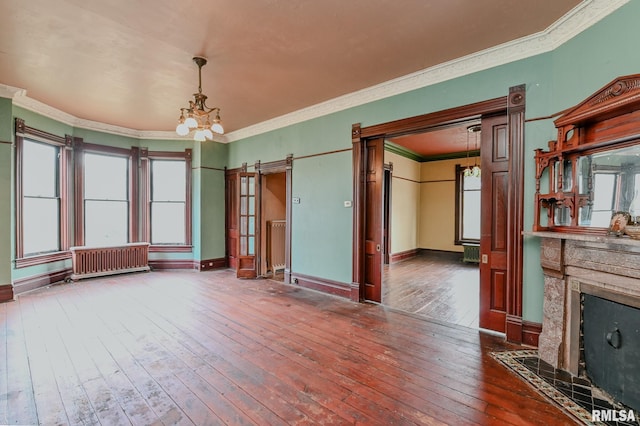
[603, 266]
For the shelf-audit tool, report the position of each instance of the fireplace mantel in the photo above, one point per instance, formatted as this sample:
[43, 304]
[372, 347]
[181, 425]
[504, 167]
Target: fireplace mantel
[604, 266]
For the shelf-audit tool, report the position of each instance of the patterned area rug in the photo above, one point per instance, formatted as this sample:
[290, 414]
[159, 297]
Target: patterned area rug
[574, 395]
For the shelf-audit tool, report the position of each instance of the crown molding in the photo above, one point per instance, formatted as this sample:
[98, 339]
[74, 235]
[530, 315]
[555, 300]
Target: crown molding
[21, 100]
[568, 26]
[583, 16]
[10, 92]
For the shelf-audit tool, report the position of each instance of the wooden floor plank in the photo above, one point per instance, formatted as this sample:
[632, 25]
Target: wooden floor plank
[18, 404]
[206, 348]
[434, 285]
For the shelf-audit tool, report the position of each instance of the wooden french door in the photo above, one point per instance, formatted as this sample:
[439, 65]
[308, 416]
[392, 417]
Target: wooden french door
[374, 181]
[494, 235]
[247, 225]
[232, 216]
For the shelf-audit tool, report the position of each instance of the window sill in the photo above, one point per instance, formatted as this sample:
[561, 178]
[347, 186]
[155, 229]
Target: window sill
[463, 242]
[42, 258]
[170, 249]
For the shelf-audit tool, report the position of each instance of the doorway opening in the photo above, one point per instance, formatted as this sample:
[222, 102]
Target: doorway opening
[258, 220]
[273, 219]
[431, 217]
[501, 216]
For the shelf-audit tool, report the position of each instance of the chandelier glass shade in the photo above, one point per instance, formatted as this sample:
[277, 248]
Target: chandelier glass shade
[472, 171]
[196, 118]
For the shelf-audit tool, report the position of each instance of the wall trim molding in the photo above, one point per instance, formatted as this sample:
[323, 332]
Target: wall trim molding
[6, 293]
[198, 265]
[575, 21]
[403, 255]
[531, 333]
[162, 264]
[324, 285]
[34, 282]
[208, 264]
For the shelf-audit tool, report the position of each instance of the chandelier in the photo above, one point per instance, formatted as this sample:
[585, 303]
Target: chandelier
[475, 170]
[196, 118]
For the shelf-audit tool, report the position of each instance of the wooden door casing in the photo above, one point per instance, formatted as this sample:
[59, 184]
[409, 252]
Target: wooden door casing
[231, 217]
[374, 180]
[493, 223]
[511, 285]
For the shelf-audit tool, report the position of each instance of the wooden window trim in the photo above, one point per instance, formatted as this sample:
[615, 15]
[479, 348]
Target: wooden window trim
[145, 192]
[458, 211]
[81, 148]
[22, 132]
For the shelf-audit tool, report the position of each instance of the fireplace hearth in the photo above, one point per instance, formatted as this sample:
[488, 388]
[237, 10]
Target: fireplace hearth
[603, 271]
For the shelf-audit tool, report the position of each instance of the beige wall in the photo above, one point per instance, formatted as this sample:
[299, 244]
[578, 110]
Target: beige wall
[438, 205]
[423, 204]
[405, 202]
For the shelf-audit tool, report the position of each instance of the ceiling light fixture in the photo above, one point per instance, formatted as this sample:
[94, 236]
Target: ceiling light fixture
[196, 117]
[475, 170]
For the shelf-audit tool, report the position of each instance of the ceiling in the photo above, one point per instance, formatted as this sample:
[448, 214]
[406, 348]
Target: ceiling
[129, 63]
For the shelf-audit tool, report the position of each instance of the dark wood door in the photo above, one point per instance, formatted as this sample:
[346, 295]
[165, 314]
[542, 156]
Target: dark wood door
[232, 216]
[374, 180]
[386, 222]
[493, 223]
[247, 226]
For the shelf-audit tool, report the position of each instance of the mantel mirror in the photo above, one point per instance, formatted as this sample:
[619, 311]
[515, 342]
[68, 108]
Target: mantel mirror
[593, 170]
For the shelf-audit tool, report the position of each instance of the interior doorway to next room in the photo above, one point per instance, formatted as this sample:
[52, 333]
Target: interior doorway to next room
[273, 221]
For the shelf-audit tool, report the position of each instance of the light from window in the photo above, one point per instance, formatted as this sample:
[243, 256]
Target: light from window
[106, 208]
[168, 202]
[470, 208]
[604, 190]
[40, 198]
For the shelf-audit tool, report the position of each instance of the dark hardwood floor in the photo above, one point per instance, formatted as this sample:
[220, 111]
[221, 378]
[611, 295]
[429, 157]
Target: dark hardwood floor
[434, 285]
[206, 349]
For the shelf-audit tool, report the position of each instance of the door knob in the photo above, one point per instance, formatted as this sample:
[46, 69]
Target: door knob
[378, 247]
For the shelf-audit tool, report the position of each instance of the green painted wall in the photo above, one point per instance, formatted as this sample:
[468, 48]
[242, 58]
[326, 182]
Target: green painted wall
[318, 256]
[209, 214]
[321, 226]
[554, 81]
[6, 180]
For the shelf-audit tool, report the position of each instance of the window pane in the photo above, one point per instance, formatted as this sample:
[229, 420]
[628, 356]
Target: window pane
[39, 169]
[243, 246]
[167, 223]
[471, 182]
[41, 225]
[243, 185]
[106, 223]
[604, 190]
[105, 177]
[471, 215]
[251, 250]
[168, 180]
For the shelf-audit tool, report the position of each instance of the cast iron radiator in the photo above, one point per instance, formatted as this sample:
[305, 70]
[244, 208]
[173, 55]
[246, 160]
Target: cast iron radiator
[275, 246]
[471, 252]
[90, 262]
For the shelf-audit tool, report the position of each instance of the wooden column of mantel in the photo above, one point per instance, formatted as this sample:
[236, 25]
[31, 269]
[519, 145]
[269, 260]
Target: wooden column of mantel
[605, 266]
